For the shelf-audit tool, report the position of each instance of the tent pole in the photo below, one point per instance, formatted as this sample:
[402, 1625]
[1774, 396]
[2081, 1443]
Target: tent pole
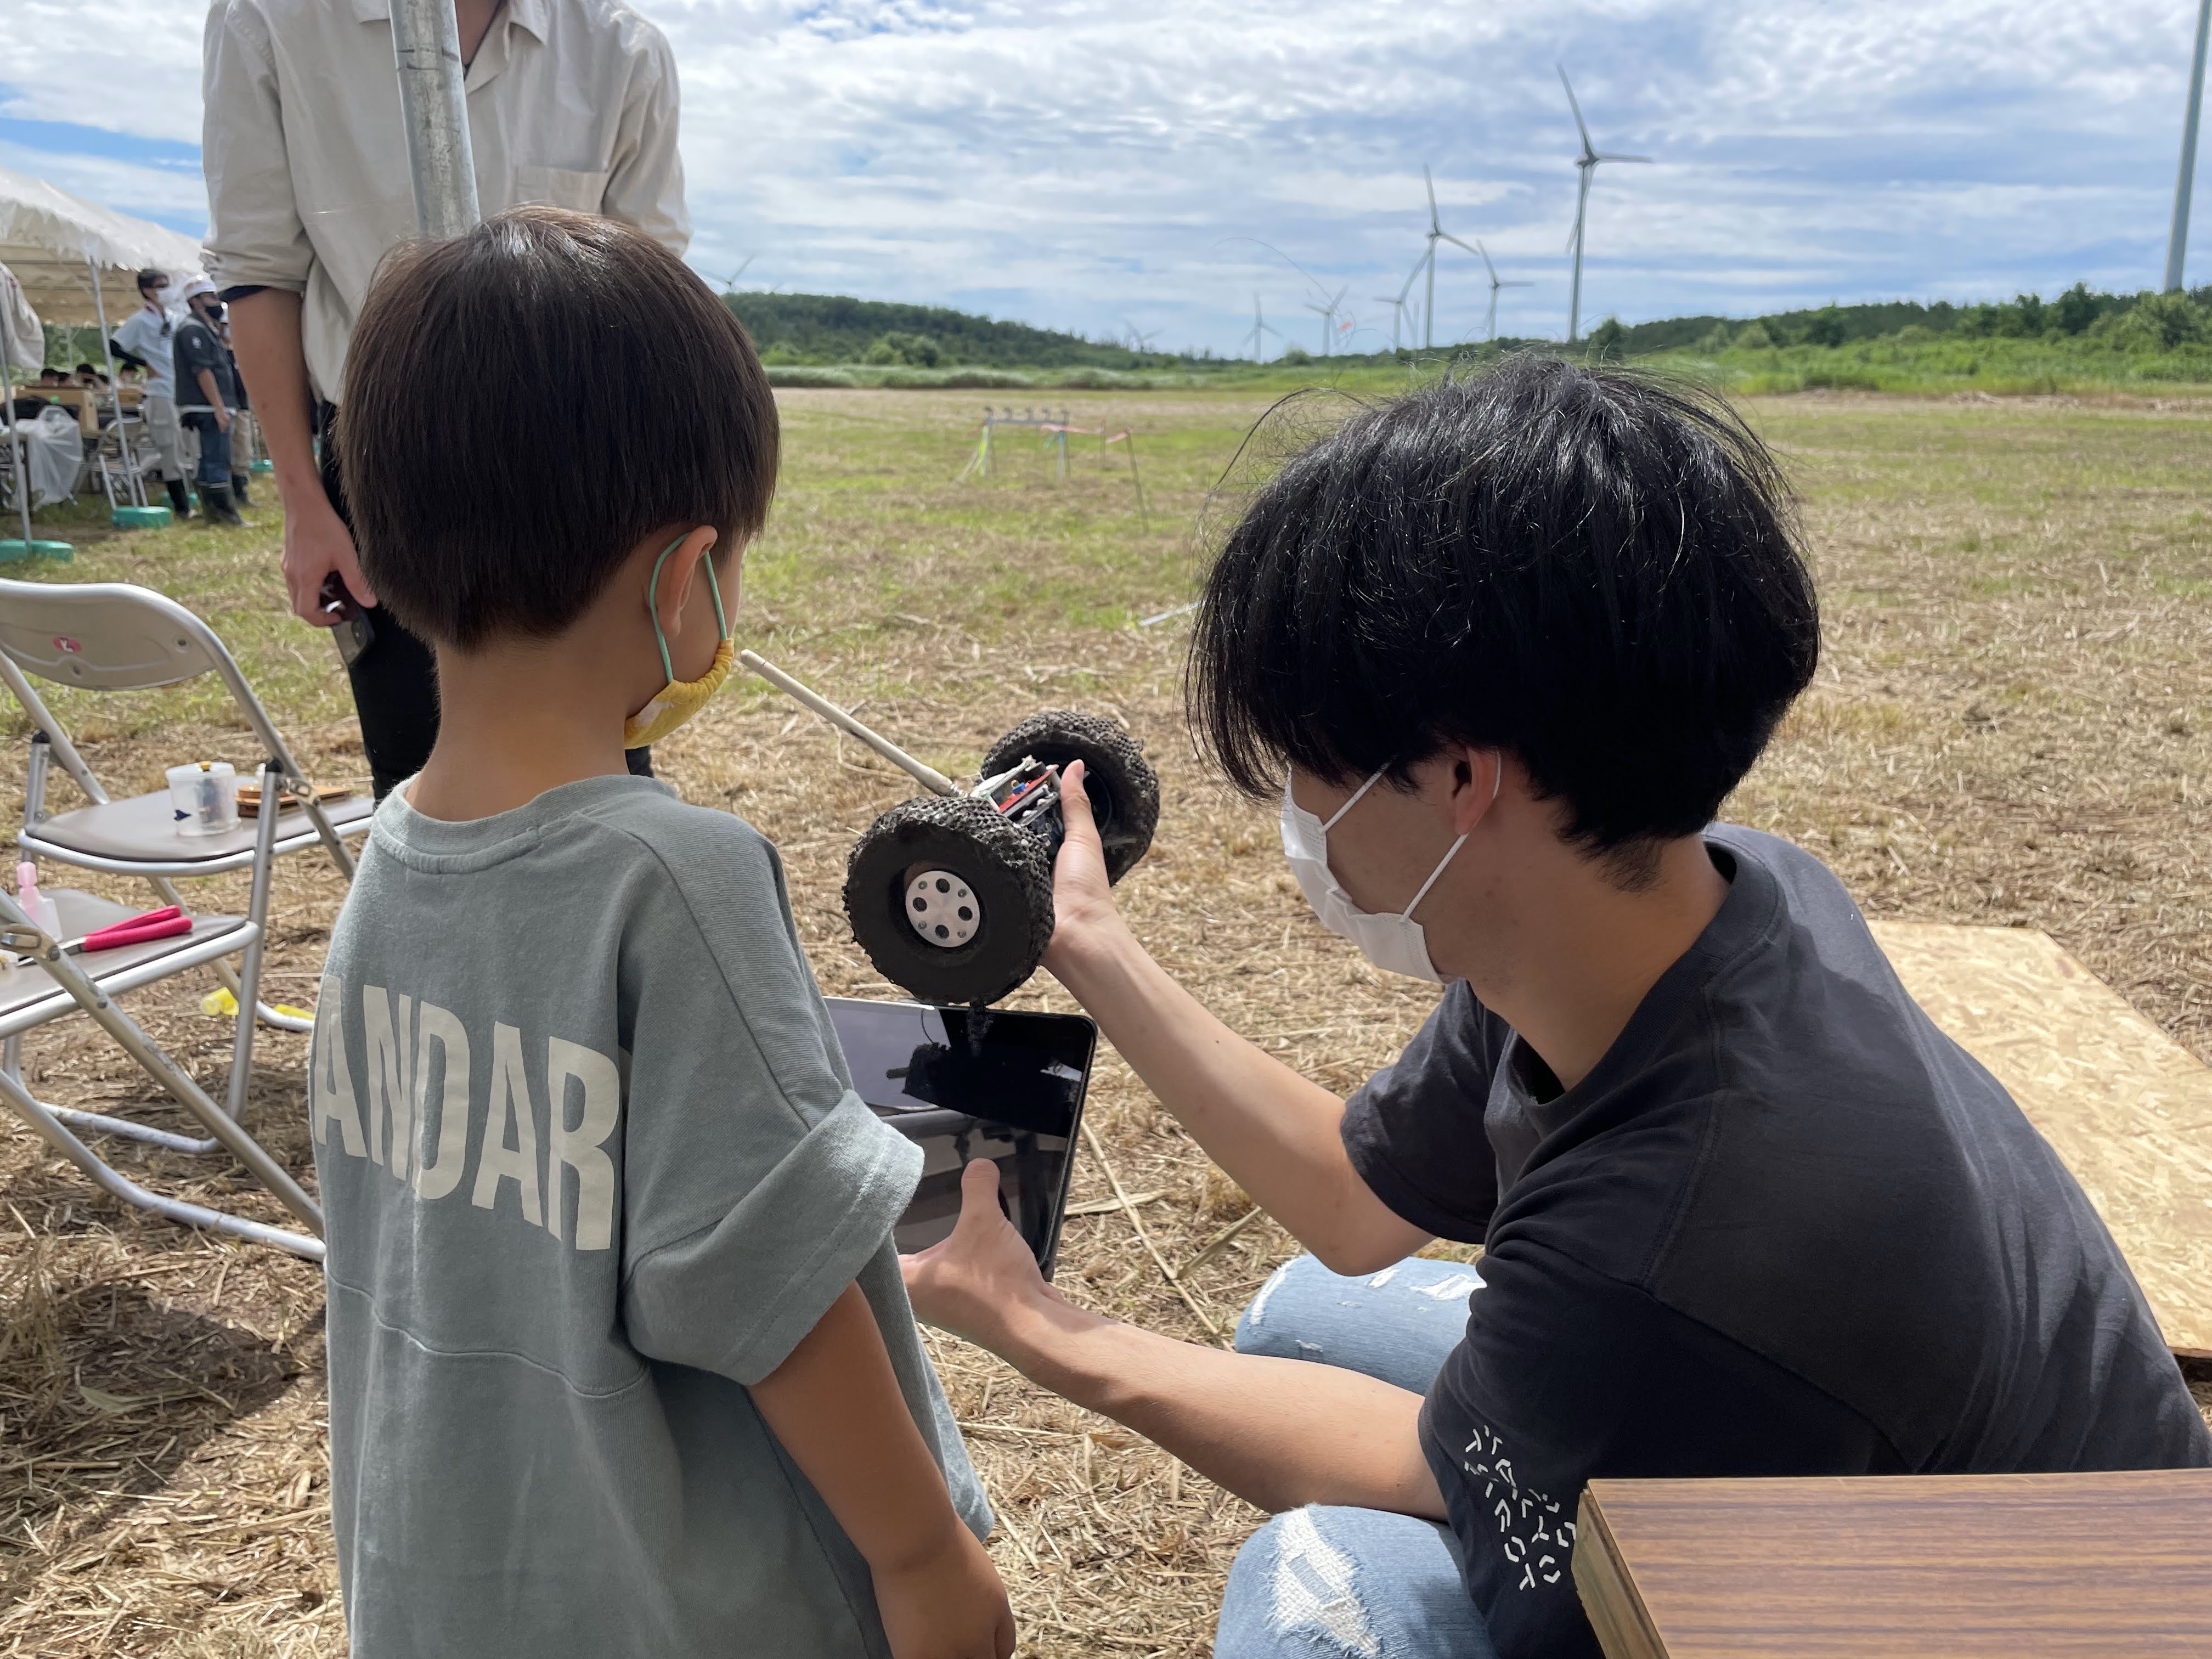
[136, 481]
[17, 459]
[425, 47]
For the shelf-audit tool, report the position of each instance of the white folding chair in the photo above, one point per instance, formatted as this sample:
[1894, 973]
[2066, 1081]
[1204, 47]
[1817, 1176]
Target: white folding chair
[107, 636]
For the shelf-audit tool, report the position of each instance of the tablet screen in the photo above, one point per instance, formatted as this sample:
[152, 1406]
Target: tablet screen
[967, 1083]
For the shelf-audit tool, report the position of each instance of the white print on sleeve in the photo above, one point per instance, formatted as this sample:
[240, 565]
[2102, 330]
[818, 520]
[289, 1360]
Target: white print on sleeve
[1534, 1536]
[425, 1119]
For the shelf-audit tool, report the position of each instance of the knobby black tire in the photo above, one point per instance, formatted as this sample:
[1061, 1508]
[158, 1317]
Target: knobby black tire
[1123, 789]
[1007, 867]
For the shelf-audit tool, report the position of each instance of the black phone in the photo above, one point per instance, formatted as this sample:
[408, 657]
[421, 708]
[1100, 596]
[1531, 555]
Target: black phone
[354, 633]
[970, 1083]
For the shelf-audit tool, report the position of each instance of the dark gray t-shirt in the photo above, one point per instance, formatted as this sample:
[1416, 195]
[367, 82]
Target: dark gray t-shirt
[591, 1162]
[1786, 1226]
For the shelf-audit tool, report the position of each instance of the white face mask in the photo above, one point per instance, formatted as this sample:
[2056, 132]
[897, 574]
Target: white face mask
[1395, 943]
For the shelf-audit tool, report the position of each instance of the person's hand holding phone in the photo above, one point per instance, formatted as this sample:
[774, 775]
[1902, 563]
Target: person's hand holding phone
[318, 547]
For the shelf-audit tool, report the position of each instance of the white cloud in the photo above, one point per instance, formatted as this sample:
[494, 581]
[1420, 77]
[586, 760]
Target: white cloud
[1077, 163]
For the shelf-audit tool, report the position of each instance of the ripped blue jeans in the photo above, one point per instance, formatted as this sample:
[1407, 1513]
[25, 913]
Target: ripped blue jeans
[1324, 1583]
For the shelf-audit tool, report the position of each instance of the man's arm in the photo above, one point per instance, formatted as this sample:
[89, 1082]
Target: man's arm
[264, 335]
[213, 393]
[1278, 1134]
[1277, 1432]
[833, 1405]
[645, 179]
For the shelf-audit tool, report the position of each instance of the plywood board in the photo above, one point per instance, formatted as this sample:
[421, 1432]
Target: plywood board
[2098, 1566]
[2128, 1109]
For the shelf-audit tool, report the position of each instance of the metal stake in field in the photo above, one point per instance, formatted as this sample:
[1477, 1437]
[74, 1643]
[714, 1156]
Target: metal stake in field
[425, 47]
[1586, 164]
[2177, 244]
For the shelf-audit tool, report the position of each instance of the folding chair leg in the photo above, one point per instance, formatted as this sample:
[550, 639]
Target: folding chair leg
[157, 1065]
[229, 975]
[49, 1129]
[257, 913]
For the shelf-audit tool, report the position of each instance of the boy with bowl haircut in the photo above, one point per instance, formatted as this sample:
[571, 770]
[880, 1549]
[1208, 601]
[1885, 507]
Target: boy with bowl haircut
[620, 1358]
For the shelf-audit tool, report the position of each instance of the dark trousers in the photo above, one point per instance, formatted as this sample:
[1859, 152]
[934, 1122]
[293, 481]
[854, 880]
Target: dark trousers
[395, 680]
[215, 448]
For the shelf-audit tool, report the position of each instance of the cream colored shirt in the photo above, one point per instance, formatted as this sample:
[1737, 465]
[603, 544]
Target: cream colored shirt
[571, 102]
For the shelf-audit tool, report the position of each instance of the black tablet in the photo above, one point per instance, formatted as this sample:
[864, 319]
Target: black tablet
[970, 1083]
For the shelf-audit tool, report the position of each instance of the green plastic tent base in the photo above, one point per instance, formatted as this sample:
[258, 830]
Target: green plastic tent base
[139, 518]
[17, 549]
[264, 466]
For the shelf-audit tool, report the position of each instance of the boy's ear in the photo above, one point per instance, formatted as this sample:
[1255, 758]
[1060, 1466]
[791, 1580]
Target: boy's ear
[678, 572]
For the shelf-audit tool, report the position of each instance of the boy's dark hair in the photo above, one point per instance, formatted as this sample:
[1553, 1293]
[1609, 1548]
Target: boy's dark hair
[150, 277]
[525, 403]
[1590, 568]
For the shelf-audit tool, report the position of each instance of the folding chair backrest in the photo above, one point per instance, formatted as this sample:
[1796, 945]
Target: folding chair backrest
[112, 636]
[104, 636]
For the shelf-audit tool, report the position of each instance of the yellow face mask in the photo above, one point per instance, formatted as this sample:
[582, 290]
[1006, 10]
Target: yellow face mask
[679, 700]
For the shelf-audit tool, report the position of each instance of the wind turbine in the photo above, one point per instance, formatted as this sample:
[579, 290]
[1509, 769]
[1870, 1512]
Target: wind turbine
[1489, 326]
[730, 283]
[1586, 163]
[1436, 233]
[1328, 314]
[1398, 305]
[1139, 342]
[1259, 328]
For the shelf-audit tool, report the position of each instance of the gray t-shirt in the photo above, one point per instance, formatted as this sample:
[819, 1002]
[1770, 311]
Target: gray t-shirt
[590, 1162]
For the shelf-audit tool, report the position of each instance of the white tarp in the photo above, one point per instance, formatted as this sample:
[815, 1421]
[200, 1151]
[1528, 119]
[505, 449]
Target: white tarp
[51, 239]
[56, 444]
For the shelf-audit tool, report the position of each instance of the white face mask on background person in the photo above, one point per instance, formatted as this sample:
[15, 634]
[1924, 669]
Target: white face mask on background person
[1396, 943]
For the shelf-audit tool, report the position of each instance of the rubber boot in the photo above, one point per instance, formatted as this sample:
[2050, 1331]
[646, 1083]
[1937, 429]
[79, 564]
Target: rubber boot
[179, 503]
[216, 507]
[238, 482]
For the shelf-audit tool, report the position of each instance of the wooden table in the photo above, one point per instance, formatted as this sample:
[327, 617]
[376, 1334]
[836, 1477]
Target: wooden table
[1881, 1568]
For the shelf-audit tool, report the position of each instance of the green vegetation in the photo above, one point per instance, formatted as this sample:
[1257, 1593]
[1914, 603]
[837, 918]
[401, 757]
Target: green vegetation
[2081, 341]
[817, 329]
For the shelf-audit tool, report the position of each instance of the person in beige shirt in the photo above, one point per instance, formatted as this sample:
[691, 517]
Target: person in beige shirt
[572, 103]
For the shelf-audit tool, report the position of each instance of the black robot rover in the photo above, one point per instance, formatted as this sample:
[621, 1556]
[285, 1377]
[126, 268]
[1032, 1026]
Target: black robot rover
[951, 893]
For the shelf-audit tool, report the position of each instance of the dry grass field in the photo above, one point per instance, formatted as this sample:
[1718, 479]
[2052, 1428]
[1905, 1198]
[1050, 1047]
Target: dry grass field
[2013, 726]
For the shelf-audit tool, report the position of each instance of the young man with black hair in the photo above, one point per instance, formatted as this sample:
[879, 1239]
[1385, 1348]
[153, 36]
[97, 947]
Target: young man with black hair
[620, 1358]
[1502, 647]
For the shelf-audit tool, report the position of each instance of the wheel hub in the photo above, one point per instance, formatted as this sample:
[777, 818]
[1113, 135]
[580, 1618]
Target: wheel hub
[941, 908]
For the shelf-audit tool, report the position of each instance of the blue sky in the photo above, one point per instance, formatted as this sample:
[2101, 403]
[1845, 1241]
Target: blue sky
[1095, 165]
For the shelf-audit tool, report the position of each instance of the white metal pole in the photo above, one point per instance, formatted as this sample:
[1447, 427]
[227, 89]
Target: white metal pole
[136, 481]
[426, 46]
[2177, 244]
[1429, 302]
[17, 459]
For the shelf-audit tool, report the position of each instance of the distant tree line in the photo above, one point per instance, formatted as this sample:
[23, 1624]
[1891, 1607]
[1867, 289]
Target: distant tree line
[831, 328]
[2145, 322]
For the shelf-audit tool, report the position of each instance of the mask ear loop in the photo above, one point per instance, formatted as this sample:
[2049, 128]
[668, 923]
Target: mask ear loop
[652, 607]
[1353, 802]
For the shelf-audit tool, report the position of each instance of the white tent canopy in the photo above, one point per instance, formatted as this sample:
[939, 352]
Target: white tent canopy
[53, 241]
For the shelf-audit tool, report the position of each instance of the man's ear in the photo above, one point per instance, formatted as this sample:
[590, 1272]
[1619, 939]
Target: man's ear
[1477, 777]
[678, 572]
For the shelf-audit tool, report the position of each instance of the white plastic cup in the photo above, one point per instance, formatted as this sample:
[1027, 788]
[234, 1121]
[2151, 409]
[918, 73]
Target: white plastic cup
[204, 798]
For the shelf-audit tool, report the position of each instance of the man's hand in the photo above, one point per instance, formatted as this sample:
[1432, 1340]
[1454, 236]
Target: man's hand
[971, 1283]
[948, 1605]
[1081, 897]
[316, 543]
[222, 420]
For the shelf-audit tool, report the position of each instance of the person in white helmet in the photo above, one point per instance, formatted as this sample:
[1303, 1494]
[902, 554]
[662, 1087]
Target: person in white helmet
[207, 397]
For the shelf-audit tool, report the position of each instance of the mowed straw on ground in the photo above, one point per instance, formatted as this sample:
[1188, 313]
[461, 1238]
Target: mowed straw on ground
[2013, 726]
